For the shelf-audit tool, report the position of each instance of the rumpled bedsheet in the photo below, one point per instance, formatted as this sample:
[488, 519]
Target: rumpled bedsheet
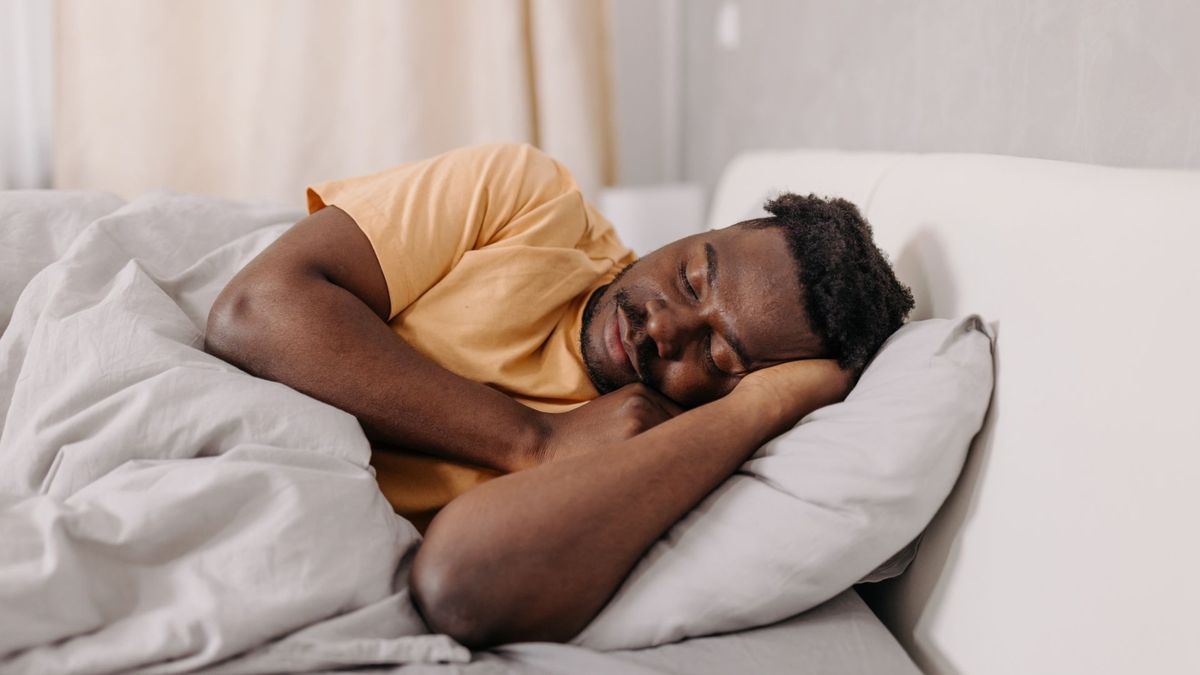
[160, 510]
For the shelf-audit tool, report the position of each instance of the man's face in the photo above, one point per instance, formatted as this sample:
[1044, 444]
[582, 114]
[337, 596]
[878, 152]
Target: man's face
[693, 317]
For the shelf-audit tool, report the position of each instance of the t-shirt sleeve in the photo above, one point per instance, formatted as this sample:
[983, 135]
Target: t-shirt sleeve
[422, 217]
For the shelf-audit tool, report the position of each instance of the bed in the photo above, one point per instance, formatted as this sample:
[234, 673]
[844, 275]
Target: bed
[161, 511]
[840, 636]
[1062, 549]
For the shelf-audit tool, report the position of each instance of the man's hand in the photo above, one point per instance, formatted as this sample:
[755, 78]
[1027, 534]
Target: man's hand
[789, 390]
[614, 417]
[794, 389]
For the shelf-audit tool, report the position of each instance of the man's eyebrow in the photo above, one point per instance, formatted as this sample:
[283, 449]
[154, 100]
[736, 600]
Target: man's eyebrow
[711, 254]
[739, 349]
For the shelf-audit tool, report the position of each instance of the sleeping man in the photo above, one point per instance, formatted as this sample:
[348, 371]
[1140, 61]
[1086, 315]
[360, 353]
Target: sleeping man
[497, 341]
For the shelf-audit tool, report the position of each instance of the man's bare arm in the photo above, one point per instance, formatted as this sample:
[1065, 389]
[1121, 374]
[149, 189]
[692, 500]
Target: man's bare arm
[535, 555]
[310, 311]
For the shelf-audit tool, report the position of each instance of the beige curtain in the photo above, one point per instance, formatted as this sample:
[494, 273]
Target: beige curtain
[254, 99]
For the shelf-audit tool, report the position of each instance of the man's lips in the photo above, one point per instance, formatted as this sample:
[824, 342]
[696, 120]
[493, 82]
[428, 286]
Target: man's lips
[627, 343]
[616, 346]
[619, 345]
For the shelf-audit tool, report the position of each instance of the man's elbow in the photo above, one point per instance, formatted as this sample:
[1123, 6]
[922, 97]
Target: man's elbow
[444, 599]
[230, 332]
[470, 603]
[462, 588]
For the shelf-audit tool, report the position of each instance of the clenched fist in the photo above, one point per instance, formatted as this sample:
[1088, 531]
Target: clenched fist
[611, 418]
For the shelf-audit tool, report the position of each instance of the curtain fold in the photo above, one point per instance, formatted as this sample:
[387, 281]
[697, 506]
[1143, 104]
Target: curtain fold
[26, 59]
[255, 100]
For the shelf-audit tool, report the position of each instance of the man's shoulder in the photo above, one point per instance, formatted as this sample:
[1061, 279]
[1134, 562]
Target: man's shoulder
[506, 156]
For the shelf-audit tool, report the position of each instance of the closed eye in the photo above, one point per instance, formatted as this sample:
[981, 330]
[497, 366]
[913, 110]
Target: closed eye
[687, 284]
[712, 364]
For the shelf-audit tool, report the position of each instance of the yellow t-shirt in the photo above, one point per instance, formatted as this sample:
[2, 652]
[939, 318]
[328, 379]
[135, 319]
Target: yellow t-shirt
[490, 254]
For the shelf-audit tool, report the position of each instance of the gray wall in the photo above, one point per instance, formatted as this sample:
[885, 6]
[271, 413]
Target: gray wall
[647, 78]
[1100, 81]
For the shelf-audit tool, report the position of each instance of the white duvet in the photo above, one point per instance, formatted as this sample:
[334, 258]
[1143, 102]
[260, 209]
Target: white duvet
[160, 510]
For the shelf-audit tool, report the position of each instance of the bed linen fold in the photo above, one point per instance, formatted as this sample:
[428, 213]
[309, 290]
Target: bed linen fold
[160, 510]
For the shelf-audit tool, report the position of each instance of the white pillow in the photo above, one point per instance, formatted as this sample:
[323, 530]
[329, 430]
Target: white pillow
[823, 505]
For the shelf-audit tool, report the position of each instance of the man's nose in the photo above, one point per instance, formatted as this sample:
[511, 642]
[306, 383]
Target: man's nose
[671, 326]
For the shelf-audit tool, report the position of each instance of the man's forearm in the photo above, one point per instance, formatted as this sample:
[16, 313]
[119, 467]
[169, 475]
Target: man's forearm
[332, 347]
[535, 555]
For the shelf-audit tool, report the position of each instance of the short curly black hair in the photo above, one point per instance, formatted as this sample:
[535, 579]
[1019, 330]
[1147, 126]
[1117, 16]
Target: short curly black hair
[853, 298]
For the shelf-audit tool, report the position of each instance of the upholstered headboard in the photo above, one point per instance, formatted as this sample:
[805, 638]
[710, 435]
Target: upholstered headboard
[1069, 544]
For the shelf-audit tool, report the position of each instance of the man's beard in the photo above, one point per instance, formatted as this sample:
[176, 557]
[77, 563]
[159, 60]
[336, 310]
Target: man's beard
[644, 351]
[601, 382]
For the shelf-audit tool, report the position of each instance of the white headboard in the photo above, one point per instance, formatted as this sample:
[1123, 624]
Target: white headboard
[1069, 545]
